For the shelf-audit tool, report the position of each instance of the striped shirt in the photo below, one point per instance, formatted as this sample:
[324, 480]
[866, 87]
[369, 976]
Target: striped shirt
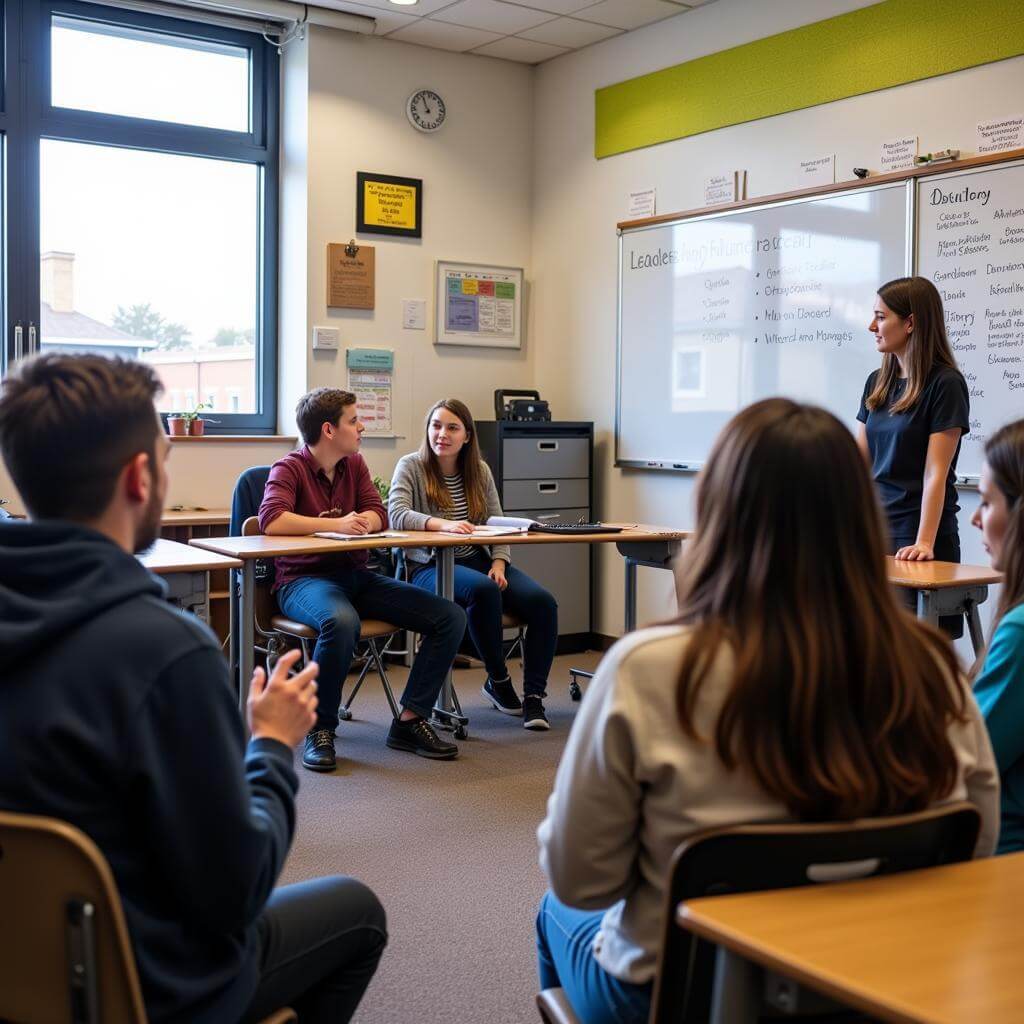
[459, 509]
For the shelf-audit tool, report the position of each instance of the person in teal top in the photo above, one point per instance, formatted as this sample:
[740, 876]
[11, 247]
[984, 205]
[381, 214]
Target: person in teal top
[999, 686]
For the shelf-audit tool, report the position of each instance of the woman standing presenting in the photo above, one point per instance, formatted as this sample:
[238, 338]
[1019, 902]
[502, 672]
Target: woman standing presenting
[447, 487]
[914, 412]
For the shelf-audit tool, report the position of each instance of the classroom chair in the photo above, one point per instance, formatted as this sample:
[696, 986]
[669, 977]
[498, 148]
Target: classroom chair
[67, 954]
[277, 633]
[749, 858]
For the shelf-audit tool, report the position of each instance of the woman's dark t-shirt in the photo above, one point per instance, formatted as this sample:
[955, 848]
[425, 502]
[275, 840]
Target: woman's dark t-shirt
[898, 443]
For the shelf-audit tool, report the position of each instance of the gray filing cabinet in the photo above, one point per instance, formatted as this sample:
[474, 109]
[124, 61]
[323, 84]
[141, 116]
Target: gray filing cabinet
[544, 470]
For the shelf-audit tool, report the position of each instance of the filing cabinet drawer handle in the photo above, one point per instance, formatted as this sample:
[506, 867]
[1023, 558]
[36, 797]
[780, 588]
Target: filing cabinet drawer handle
[550, 487]
[547, 446]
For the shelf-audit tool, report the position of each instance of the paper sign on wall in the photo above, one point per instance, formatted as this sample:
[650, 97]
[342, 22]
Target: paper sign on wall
[414, 314]
[820, 170]
[898, 154]
[369, 379]
[642, 203]
[1001, 134]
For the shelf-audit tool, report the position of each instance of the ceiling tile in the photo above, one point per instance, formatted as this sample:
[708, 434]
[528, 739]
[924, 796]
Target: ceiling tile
[386, 21]
[443, 36]
[629, 13]
[492, 16]
[421, 10]
[569, 32]
[555, 6]
[523, 50]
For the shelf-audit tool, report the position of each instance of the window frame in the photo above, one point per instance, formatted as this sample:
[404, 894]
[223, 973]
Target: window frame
[28, 117]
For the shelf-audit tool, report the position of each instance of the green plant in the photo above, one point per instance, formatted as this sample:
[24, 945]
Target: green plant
[383, 487]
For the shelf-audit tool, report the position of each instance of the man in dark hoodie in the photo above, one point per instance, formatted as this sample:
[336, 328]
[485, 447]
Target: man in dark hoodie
[116, 715]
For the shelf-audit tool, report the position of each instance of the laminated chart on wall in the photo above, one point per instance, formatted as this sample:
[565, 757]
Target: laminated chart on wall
[370, 379]
[479, 306]
[971, 246]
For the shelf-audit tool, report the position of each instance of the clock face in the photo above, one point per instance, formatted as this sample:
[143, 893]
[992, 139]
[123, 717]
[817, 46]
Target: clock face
[426, 110]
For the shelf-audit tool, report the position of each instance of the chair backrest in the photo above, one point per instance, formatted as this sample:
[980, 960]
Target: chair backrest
[264, 602]
[748, 858]
[247, 496]
[66, 952]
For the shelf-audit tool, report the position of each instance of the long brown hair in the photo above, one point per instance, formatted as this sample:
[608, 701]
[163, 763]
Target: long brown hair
[840, 700]
[469, 463]
[1004, 453]
[927, 345]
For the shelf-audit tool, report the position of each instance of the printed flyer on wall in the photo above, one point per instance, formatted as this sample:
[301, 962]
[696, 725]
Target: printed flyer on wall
[479, 305]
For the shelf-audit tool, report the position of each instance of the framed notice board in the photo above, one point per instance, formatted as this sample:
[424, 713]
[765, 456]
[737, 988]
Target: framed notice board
[479, 305]
[388, 205]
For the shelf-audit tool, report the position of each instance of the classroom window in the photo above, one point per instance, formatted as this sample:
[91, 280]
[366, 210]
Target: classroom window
[118, 69]
[146, 155]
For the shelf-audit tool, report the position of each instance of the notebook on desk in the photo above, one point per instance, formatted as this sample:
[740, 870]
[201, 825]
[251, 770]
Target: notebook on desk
[332, 535]
[517, 524]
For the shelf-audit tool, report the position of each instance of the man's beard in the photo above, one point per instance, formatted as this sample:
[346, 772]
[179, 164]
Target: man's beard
[149, 528]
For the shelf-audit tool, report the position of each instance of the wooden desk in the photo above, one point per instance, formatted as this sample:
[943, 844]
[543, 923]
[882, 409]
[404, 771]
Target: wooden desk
[186, 571]
[946, 588]
[639, 545]
[940, 945]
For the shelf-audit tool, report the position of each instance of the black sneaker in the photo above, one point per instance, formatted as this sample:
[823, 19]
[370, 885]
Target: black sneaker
[318, 751]
[533, 714]
[502, 695]
[418, 737]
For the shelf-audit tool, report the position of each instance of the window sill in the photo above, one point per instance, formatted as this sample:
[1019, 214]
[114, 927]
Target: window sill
[233, 439]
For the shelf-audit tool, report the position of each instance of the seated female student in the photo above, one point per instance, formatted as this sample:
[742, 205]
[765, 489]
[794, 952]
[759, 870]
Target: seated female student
[999, 688]
[792, 686]
[446, 486]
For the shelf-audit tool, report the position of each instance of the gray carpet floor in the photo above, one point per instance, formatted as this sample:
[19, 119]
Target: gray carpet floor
[449, 847]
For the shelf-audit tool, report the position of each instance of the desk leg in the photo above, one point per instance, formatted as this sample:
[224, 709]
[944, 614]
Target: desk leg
[926, 607]
[735, 998]
[974, 626]
[246, 636]
[447, 712]
[630, 614]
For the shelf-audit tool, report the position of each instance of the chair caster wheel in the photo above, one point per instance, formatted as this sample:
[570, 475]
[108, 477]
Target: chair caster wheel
[460, 732]
[575, 693]
[344, 714]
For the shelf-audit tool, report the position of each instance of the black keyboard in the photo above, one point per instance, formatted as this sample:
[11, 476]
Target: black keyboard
[574, 528]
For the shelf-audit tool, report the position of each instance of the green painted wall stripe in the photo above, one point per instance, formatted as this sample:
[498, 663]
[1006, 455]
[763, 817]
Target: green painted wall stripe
[872, 48]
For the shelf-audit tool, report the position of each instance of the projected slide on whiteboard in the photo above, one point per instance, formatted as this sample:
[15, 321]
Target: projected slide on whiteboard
[721, 310]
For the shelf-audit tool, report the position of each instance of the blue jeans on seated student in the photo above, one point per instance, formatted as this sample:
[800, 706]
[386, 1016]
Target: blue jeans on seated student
[565, 937]
[333, 605]
[524, 598]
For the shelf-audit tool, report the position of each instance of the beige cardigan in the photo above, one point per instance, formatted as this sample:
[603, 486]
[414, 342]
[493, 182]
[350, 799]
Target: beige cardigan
[409, 508]
[631, 787]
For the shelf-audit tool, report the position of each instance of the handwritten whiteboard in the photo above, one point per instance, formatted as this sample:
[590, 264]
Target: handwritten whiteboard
[719, 311]
[971, 244]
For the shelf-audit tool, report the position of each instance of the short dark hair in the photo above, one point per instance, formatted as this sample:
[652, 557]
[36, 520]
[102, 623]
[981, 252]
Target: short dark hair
[68, 425]
[320, 406]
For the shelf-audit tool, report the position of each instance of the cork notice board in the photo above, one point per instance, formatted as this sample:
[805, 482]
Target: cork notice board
[350, 276]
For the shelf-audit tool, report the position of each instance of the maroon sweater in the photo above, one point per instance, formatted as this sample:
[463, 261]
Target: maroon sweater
[297, 484]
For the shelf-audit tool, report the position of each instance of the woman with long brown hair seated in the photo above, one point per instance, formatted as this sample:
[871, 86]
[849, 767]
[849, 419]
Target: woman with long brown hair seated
[792, 686]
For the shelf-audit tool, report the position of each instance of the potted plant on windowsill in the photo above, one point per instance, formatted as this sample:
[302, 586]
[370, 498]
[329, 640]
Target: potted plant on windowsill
[187, 424]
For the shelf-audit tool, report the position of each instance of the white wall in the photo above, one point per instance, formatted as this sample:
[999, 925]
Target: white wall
[477, 178]
[578, 201]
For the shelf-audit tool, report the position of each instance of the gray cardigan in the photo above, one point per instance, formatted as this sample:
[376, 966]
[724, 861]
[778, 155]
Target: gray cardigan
[409, 508]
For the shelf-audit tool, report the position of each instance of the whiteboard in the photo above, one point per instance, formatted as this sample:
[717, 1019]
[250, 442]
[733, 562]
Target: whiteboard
[971, 245]
[721, 310]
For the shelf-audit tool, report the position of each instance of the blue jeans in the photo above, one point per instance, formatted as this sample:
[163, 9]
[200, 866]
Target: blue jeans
[332, 605]
[565, 959]
[484, 602]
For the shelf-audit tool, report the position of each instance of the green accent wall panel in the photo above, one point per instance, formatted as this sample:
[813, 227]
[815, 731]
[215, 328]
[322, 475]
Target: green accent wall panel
[873, 48]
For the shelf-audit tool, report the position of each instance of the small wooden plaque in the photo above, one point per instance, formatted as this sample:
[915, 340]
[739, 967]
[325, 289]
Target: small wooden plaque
[351, 276]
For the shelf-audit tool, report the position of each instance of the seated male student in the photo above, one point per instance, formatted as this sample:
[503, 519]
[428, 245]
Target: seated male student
[325, 485]
[116, 715]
